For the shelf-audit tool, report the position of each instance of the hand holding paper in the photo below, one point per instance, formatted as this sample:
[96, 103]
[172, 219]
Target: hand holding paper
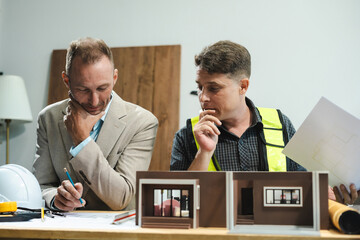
[329, 140]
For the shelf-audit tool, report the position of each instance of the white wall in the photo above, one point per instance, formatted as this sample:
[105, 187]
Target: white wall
[301, 49]
[1, 30]
[2, 128]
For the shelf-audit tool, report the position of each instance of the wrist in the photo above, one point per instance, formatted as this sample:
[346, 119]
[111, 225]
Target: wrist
[52, 205]
[78, 140]
[205, 154]
[201, 161]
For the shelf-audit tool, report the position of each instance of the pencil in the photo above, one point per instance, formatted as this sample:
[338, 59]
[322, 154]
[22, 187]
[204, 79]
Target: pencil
[124, 217]
[68, 175]
[42, 214]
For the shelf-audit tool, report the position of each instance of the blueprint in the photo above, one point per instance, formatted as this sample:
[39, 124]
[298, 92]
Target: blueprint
[328, 140]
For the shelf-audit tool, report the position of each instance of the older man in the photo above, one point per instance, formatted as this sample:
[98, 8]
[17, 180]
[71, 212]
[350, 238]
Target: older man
[98, 137]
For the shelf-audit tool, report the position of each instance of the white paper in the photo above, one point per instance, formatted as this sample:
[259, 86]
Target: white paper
[328, 140]
[77, 220]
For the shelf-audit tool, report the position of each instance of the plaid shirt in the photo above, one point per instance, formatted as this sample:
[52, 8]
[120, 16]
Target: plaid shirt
[232, 153]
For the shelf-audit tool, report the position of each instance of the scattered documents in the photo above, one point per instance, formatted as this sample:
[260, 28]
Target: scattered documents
[329, 140]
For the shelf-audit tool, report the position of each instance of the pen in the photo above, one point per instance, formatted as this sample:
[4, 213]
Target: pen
[68, 175]
[122, 217]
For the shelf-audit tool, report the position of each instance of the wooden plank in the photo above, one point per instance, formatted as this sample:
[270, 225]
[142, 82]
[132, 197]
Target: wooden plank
[166, 103]
[136, 75]
[57, 88]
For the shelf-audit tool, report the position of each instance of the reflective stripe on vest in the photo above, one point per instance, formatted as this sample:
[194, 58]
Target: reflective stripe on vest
[273, 133]
[213, 161]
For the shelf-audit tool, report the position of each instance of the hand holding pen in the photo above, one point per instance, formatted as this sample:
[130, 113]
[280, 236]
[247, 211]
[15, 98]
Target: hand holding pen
[68, 195]
[72, 183]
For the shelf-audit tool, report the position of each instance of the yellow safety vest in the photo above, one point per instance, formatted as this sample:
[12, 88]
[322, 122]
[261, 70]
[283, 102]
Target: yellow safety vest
[274, 140]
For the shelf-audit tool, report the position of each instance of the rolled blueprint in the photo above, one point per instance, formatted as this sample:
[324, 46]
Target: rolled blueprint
[344, 218]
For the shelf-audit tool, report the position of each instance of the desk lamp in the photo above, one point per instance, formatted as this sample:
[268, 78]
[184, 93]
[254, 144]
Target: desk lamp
[14, 104]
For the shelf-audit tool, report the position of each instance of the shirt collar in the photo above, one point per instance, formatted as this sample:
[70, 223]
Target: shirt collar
[98, 124]
[256, 118]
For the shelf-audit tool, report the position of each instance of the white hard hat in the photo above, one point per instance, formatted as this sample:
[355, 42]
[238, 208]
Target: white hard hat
[19, 185]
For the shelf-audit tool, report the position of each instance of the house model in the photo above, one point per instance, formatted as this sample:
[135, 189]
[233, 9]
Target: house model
[248, 202]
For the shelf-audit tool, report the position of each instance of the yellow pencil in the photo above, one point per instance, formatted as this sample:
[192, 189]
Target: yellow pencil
[42, 214]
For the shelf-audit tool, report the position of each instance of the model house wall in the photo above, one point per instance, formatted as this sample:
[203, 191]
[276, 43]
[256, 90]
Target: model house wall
[231, 199]
[281, 198]
[212, 194]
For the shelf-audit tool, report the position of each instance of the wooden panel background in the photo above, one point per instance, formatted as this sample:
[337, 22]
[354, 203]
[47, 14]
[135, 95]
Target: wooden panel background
[149, 77]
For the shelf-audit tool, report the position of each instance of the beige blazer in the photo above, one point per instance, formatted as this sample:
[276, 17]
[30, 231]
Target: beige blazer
[106, 168]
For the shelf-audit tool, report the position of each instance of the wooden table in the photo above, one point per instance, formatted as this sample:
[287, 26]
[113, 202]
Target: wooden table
[96, 229]
[173, 234]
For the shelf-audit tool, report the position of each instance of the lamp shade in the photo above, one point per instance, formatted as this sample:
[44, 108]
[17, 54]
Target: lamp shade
[14, 102]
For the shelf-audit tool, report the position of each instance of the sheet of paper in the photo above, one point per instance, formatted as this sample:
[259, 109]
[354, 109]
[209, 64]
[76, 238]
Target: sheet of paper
[329, 140]
[77, 220]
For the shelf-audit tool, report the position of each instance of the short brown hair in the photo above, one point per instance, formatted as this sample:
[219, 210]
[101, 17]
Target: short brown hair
[89, 49]
[225, 57]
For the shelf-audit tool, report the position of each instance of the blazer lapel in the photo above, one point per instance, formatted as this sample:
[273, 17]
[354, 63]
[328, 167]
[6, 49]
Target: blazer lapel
[112, 127]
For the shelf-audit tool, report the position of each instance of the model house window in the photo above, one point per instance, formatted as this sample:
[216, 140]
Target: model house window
[171, 202]
[283, 196]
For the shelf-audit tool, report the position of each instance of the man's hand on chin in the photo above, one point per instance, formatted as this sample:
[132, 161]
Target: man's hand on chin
[79, 122]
